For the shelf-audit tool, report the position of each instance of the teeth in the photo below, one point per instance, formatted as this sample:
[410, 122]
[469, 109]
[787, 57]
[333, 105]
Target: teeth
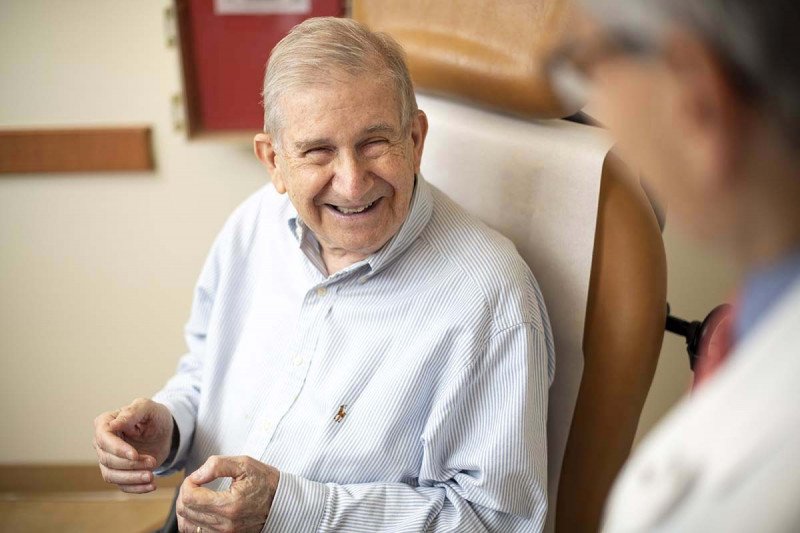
[349, 211]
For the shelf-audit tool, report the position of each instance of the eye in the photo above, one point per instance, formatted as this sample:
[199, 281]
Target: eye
[375, 147]
[319, 154]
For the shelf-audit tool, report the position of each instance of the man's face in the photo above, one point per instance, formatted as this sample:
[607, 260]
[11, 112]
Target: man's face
[633, 100]
[669, 119]
[345, 161]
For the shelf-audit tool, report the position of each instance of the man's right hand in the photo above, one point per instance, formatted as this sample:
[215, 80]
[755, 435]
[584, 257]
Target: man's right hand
[131, 442]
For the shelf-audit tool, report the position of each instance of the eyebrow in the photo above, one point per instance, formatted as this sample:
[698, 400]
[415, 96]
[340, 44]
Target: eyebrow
[302, 146]
[381, 127]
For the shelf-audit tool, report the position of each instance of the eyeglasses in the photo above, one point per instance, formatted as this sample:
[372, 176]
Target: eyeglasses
[570, 67]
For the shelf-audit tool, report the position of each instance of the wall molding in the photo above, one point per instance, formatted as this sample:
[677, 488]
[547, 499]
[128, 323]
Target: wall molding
[76, 150]
[37, 478]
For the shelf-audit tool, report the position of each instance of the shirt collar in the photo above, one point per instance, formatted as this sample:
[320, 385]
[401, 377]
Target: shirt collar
[306, 240]
[296, 226]
[419, 214]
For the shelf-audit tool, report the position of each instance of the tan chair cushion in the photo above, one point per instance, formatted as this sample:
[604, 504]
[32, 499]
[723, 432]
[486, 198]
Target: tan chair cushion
[492, 53]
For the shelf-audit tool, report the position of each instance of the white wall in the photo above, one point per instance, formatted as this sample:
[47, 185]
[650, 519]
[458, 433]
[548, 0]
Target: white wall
[697, 281]
[97, 270]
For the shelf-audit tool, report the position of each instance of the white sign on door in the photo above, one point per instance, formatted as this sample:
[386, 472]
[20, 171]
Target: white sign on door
[261, 7]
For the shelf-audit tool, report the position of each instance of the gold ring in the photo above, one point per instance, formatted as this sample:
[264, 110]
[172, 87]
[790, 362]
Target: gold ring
[199, 530]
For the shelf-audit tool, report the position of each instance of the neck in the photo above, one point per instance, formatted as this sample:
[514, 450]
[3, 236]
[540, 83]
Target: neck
[767, 239]
[767, 225]
[336, 260]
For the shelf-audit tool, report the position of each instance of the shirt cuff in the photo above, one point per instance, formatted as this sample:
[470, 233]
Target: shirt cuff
[298, 505]
[183, 418]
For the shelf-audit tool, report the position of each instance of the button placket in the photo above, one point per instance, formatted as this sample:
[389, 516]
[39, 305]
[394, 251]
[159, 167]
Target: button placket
[316, 307]
[304, 338]
[308, 344]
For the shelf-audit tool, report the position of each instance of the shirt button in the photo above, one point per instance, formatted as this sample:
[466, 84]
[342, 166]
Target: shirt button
[322, 291]
[298, 361]
[268, 426]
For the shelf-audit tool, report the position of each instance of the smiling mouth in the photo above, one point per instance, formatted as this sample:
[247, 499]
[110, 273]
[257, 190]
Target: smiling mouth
[353, 210]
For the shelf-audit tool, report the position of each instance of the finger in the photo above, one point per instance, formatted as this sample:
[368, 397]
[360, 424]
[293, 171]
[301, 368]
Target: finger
[111, 443]
[215, 467]
[132, 414]
[126, 477]
[202, 499]
[185, 526]
[126, 420]
[103, 419]
[206, 520]
[145, 462]
[138, 489]
[188, 526]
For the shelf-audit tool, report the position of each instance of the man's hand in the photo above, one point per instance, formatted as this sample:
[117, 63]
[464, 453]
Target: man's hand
[131, 442]
[244, 507]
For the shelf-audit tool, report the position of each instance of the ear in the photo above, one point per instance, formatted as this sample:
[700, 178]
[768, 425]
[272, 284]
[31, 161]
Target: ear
[419, 130]
[267, 153]
[709, 112]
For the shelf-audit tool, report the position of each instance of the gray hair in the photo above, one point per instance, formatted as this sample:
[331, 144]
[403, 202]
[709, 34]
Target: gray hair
[757, 40]
[319, 46]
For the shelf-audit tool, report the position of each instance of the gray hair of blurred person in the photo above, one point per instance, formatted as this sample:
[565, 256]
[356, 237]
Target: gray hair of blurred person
[757, 41]
[319, 48]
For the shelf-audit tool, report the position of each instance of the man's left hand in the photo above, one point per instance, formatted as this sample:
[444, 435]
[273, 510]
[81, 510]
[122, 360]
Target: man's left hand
[244, 507]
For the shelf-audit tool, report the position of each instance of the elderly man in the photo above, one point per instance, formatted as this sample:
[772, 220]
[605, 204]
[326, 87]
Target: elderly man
[705, 96]
[363, 354]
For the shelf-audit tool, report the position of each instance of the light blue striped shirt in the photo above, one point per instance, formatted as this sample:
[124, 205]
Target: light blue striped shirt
[407, 392]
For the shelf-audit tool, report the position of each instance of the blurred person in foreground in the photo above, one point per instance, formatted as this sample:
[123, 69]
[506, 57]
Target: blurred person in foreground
[704, 96]
[363, 354]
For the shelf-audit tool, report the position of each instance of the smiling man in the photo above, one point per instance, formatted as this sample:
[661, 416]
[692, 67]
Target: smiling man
[363, 354]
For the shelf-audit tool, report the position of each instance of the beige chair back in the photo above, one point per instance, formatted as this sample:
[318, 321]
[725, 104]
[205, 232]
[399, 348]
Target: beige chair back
[575, 213]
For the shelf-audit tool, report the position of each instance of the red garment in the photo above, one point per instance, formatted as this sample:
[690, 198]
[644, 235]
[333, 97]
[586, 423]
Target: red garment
[715, 346]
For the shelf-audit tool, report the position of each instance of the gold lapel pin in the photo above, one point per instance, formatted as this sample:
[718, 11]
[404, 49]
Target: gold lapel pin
[341, 414]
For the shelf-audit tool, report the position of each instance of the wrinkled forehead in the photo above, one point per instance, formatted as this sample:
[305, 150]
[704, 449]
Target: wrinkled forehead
[338, 103]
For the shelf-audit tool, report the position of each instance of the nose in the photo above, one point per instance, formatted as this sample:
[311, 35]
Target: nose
[352, 179]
